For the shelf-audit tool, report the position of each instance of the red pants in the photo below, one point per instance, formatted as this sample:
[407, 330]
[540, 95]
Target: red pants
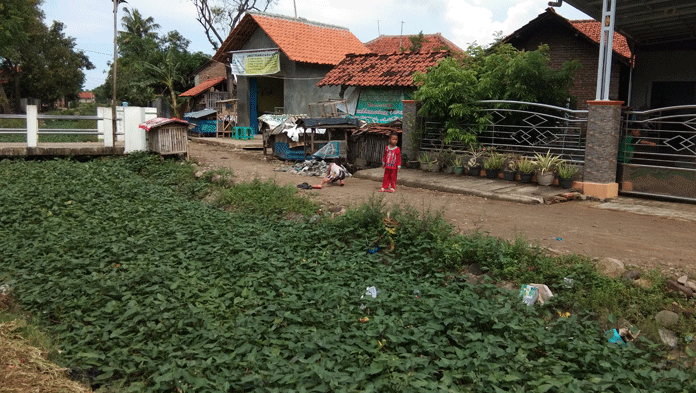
[389, 180]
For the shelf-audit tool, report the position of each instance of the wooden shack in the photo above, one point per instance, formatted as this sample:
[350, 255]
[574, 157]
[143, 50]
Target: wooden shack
[167, 136]
[226, 117]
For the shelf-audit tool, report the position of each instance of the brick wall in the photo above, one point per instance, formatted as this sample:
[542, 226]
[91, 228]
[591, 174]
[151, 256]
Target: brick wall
[566, 45]
[212, 70]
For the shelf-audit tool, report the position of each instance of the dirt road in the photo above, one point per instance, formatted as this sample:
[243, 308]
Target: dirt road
[644, 241]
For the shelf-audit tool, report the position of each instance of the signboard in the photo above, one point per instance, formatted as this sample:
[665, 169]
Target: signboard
[262, 62]
[380, 106]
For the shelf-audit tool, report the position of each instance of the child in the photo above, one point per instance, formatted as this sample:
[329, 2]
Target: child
[391, 164]
[335, 172]
[628, 143]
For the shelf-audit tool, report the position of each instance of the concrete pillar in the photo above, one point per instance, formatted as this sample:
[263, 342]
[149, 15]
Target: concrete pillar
[32, 126]
[105, 126]
[409, 145]
[602, 147]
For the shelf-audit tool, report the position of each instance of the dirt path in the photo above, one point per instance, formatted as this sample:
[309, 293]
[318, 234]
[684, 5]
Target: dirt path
[645, 241]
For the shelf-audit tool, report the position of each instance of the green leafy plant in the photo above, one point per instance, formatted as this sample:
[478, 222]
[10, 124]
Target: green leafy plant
[494, 160]
[526, 165]
[566, 170]
[458, 161]
[425, 157]
[546, 162]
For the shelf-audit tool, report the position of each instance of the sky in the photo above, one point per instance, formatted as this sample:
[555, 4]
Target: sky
[463, 22]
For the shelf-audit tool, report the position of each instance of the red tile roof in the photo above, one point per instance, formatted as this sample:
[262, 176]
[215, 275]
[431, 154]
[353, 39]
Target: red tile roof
[300, 39]
[593, 30]
[86, 95]
[386, 44]
[373, 69]
[196, 90]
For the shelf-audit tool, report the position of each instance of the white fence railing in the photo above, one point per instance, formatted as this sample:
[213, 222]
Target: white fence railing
[127, 127]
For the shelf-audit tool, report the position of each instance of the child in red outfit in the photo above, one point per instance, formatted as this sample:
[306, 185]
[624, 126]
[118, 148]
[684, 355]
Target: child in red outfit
[391, 164]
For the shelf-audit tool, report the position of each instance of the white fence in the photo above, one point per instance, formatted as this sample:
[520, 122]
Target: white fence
[128, 131]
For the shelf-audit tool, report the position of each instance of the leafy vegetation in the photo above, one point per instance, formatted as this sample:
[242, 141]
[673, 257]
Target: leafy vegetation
[450, 90]
[146, 289]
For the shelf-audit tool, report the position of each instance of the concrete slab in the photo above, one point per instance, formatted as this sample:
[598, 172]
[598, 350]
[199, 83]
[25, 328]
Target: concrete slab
[251, 144]
[468, 185]
[60, 149]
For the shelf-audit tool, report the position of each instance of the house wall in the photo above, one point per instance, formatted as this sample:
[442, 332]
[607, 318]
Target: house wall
[565, 45]
[300, 81]
[660, 66]
[211, 71]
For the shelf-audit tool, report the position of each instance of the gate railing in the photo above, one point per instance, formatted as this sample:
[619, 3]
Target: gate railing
[522, 128]
[657, 152]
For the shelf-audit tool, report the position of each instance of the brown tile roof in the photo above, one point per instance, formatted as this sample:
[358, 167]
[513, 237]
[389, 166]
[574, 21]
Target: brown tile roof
[386, 44]
[198, 89]
[593, 30]
[589, 29]
[300, 39]
[373, 69]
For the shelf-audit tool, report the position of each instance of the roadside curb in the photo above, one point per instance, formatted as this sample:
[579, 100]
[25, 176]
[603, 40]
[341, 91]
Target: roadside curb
[530, 200]
[236, 146]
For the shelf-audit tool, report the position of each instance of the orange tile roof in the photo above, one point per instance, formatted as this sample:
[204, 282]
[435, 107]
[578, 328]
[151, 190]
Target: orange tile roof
[374, 69]
[198, 89]
[86, 95]
[593, 30]
[300, 39]
[386, 44]
[590, 30]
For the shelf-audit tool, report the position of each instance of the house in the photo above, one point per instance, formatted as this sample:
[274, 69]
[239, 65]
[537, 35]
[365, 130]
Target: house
[576, 39]
[386, 44]
[211, 85]
[378, 83]
[86, 97]
[278, 60]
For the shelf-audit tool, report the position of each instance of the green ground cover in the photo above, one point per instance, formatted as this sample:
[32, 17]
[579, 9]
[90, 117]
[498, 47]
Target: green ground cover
[143, 287]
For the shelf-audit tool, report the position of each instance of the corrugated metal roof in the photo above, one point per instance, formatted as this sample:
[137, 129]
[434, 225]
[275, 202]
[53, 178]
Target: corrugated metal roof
[199, 114]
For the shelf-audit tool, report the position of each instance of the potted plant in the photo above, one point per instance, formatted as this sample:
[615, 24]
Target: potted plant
[565, 174]
[510, 169]
[473, 165]
[437, 162]
[526, 167]
[448, 157]
[545, 165]
[425, 159]
[492, 164]
[458, 163]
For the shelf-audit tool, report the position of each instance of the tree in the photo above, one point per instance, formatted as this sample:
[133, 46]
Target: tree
[219, 17]
[38, 61]
[450, 90]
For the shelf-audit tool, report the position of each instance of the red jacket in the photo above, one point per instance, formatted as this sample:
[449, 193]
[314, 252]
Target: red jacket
[392, 158]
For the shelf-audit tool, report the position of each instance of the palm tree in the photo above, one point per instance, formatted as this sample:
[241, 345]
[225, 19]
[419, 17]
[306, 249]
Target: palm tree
[136, 27]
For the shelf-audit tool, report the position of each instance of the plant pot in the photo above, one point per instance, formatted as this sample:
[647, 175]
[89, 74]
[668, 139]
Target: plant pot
[424, 166]
[414, 164]
[526, 177]
[458, 170]
[475, 171]
[492, 173]
[566, 182]
[509, 176]
[435, 167]
[449, 169]
[545, 178]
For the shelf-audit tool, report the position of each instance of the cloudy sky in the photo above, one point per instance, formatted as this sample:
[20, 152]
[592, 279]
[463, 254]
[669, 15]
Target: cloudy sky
[461, 21]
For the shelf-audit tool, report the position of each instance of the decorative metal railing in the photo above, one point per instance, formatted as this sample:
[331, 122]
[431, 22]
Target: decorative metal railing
[657, 152]
[522, 128]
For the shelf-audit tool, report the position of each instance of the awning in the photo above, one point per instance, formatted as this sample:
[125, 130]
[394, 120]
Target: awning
[648, 22]
[200, 114]
[330, 122]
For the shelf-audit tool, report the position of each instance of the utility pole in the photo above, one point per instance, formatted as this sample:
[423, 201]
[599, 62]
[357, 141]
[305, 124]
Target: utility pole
[378, 32]
[401, 36]
[295, 5]
[113, 98]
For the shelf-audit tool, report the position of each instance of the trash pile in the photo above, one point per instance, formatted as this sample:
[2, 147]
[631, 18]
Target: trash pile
[317, 168]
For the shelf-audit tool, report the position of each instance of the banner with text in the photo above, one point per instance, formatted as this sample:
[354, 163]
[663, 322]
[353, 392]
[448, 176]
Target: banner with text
[263, 62]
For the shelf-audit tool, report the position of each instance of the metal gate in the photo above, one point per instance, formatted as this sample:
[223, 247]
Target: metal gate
[521, 128]
[657, 153]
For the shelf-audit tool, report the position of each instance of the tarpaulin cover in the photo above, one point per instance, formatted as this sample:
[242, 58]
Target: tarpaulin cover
[160, 121]
[328, 122]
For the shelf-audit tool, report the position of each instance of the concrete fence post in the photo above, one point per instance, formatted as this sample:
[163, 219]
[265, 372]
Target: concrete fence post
[105, 126]
[32, 126]
[409, 133]
[602, 148]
